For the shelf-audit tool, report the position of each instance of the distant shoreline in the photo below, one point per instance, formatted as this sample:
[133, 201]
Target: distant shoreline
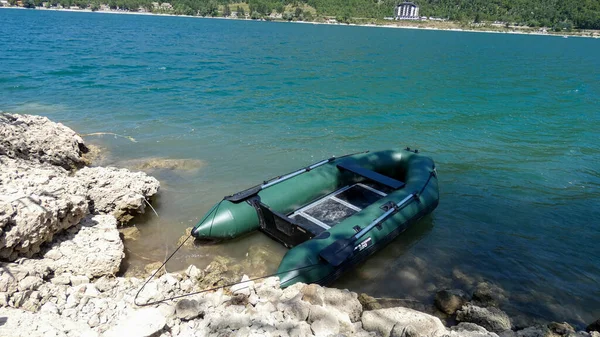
[397, 24]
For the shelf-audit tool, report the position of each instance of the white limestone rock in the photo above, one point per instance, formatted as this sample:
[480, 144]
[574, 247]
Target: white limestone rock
[383, 321]
[94, 250]
[64, 279]
[91, 249]
[188, 309]
[492, 319]
[313, 294]
[343, 300]
[22, 276]
[30, 283]
[118, 192]
[243, 287]
[194, 273]
[322, 321]
[38, 139]
[138, 323]
[294, 308]
[21, 323]
[36, 202]
[269, 289]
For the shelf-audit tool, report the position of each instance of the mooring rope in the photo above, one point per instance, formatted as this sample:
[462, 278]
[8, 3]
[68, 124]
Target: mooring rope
[215, 210]
[163, 265]
[215, 288]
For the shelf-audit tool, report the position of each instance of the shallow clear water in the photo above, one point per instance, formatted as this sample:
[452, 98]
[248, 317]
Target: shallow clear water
[512, 122]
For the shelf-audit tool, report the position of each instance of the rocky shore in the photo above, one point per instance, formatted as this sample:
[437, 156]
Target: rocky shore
[61, 250]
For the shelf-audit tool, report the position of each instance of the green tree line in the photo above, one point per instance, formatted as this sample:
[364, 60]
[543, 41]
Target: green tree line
[583, 14]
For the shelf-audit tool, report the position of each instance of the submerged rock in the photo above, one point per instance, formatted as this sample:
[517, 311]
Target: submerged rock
[488, 295]
[493, 319]
[217, 274]
[150, 268]
[96, 155]
[459, 276]
[595, 326]
[38, 139]
[186, 239]
[562, 329]
[368, 302]
[156, 163]
[130, 233]
[449, 301]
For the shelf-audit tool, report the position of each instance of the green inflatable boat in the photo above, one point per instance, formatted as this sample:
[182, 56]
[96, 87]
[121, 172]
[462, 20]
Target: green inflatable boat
[332, 214]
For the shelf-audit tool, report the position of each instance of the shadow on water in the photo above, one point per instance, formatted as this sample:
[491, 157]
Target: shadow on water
[384, 263]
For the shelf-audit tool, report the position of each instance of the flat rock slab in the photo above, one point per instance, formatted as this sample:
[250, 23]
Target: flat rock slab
[118, 192]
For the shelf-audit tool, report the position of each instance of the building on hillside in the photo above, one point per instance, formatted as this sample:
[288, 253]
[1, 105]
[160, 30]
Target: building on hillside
[165, 6]
[4, 3]
[407, 11]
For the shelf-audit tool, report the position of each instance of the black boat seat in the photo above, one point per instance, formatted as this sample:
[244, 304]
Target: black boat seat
[284, 229]
[371, 175]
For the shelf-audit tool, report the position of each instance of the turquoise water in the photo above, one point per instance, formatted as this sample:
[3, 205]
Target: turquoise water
[512, 122]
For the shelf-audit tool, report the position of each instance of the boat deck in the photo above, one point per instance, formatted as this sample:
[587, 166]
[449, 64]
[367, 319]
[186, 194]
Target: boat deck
[339, 205]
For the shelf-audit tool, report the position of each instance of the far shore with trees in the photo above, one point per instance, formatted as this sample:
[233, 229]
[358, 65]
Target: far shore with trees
[566, 16]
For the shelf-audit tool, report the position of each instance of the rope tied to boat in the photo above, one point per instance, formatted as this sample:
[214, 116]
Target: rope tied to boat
[214, 288]
[215, 210]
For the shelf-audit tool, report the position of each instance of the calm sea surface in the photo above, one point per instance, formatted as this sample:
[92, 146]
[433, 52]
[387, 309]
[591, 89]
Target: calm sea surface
[512, 122]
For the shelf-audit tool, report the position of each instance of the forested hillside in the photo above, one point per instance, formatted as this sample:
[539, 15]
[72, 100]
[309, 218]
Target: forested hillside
[583, 14]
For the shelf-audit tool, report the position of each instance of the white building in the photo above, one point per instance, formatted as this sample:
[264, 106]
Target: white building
[407, 11]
